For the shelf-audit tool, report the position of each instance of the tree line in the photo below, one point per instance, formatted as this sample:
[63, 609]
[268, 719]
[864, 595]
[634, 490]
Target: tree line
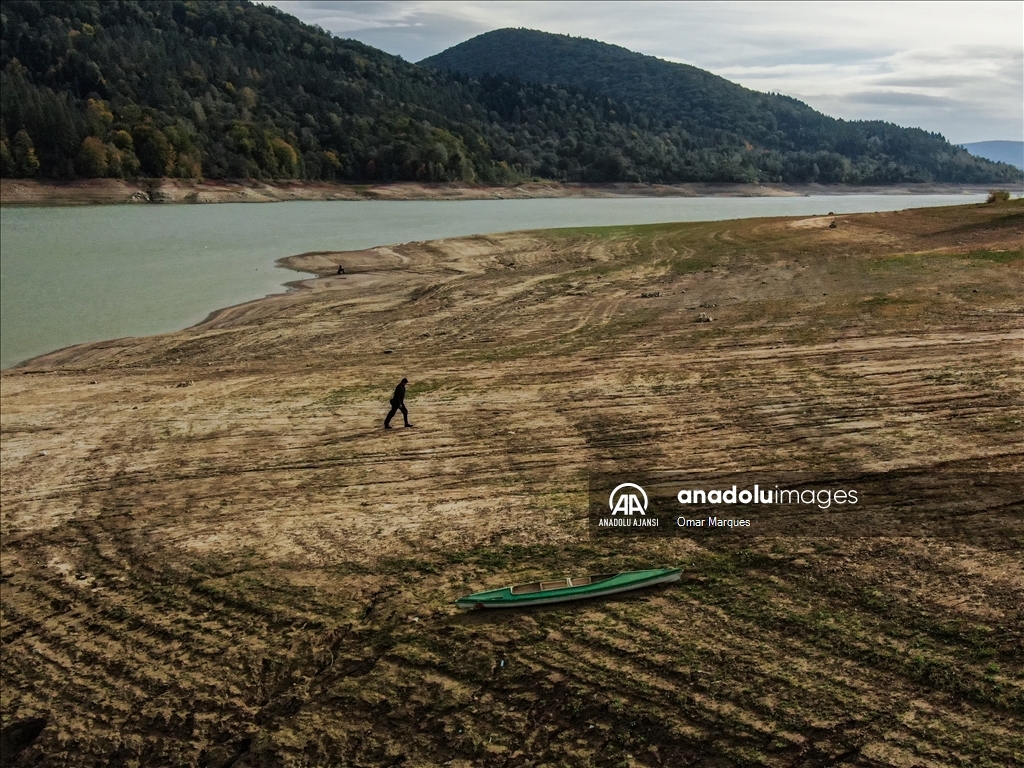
[219, 90]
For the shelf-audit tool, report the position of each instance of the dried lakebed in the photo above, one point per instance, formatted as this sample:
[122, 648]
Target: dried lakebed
[214, 555]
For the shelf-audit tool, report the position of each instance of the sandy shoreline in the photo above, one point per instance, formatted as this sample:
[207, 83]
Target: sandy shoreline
[32, 192]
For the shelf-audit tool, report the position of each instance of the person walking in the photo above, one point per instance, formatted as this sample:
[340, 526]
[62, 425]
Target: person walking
[398, 404]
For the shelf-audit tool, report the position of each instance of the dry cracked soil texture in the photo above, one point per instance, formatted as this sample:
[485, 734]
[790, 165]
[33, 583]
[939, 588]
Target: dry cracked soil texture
[214, 555]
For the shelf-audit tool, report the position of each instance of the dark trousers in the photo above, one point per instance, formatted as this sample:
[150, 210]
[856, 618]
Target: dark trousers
[395, 409]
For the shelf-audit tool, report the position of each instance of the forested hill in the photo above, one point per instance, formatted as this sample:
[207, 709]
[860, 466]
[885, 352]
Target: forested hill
[236, 90]
[703, 100]
[222, 90]
[785, 133]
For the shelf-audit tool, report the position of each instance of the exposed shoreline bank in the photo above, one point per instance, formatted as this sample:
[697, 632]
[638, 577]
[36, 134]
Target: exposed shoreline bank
[32, 192]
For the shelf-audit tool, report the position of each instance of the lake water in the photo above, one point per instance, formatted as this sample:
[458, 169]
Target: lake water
[71, 275]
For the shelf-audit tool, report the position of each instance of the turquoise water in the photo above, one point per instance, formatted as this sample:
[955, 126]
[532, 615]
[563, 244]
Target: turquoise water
[71, 275]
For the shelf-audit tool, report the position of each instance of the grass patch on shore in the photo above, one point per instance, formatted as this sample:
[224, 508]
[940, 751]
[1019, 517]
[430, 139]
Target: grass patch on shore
[347, 395]
[918, 260]
[999, 257]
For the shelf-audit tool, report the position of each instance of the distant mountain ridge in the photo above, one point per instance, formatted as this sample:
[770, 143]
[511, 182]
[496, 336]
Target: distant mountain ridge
[234, 90]
[712, 109]
[1011, 152]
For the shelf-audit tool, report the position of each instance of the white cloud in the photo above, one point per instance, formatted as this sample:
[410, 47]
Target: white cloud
[952, 67]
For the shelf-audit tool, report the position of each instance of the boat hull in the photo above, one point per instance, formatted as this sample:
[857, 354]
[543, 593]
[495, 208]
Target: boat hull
[566, 595]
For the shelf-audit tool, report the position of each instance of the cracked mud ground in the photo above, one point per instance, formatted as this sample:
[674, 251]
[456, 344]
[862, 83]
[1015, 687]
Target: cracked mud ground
[214, 555]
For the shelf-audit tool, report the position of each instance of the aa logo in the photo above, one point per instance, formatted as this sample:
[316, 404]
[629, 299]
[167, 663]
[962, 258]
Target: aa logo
[628, 499]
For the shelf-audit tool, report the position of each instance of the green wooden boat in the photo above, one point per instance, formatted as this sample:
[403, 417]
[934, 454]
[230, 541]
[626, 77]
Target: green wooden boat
[564, 590]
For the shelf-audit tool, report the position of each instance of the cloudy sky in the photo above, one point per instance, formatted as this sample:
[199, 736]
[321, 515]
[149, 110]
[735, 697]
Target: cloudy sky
[952, 67]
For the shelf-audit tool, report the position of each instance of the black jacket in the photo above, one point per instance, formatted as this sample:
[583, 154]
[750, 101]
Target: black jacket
[399, 397]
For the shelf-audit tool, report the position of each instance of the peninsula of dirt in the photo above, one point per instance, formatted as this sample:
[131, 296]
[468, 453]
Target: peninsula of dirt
[214, 555]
